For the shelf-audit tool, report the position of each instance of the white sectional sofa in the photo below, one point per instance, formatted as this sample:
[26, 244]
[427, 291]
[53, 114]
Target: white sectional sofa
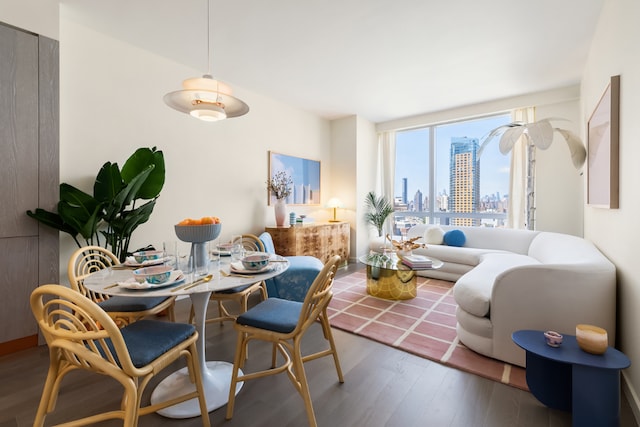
[507, 280]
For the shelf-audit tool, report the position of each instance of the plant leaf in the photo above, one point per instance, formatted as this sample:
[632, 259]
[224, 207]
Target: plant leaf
[126, 195]
[53, 220]
[108, 183]
[138, 162]
[80, 210]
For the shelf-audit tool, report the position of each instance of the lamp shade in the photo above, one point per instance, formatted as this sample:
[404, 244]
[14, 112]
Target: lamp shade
[206, 99]
[334, 202]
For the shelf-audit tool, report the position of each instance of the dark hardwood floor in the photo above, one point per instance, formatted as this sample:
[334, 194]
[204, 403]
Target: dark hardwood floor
[383, 387]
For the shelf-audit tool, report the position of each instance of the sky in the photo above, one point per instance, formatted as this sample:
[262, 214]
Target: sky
[412, 157]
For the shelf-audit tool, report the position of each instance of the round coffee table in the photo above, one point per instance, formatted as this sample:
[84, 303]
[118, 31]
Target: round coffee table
[389, 278]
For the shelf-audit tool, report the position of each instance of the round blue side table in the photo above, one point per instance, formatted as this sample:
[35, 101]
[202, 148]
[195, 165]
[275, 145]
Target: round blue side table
[570, 379]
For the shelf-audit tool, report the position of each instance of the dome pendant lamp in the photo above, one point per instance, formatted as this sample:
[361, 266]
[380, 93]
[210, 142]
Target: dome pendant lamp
[204, 97]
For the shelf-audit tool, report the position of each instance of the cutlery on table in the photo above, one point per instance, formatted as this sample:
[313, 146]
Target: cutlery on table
[123, 267]
[192, 284]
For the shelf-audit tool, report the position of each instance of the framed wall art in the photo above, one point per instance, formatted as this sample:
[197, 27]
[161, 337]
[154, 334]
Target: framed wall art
[602, 149]
[305, 174]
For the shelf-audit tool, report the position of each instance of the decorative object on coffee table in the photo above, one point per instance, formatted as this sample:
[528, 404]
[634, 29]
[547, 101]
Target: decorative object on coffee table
[405, 247]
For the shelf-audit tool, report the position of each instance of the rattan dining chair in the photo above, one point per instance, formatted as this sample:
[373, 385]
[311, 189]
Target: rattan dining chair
[294, 282]
[81, 335]
[239, 294]
[122, 309]
[284, 323]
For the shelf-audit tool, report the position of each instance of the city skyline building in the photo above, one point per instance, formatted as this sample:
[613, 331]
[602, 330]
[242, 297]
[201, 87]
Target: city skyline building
[417, 202]
[404, 191]
[464, 179]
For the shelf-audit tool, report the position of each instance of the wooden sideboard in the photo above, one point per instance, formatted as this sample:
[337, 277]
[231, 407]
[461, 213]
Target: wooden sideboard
[321, 240]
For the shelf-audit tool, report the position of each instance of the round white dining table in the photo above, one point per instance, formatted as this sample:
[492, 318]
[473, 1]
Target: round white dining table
[216, 375]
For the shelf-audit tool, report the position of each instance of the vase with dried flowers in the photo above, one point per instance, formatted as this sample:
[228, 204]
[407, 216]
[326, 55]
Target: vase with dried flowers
[279, 186]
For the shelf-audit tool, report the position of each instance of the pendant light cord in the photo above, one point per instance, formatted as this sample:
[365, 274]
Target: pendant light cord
[209, 37]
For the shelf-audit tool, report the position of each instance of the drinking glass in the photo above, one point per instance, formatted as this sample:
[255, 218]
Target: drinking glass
[170, 254]
[237, 249]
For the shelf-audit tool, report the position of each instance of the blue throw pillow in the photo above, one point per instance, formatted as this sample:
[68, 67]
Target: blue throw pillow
[454, 238]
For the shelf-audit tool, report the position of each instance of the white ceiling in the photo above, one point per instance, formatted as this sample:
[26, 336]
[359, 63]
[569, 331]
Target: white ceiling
[379, 59]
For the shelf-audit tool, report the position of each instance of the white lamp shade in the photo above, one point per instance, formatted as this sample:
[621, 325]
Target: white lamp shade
[334, 203]
[206, 99]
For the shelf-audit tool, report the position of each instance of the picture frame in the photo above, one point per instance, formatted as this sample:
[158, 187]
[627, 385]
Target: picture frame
[603, 134]
[305, 174]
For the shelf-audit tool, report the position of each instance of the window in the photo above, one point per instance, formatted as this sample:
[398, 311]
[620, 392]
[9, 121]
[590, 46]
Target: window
[444, 177]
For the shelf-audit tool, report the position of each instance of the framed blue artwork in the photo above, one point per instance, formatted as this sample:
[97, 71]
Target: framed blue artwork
[305, 174]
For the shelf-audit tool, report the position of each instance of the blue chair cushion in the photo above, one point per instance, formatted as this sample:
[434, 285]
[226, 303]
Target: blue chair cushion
[120, 303]
[267, 241]
[149, 339]
[294, 283]
[273, 314]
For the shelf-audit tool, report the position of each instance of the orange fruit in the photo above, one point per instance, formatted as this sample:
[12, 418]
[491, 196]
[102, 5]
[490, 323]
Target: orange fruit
[207, 220]
[186, 221]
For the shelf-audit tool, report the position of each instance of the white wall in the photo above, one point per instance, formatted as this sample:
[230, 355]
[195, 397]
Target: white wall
[616, 231]
[558, 183]
[353, 160]
[366, 162]
[111, 104]
[344, 152]
[38, 16]
[559, 194]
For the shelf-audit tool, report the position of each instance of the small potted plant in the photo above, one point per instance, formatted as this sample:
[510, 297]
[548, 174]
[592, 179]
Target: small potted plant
[378, 209]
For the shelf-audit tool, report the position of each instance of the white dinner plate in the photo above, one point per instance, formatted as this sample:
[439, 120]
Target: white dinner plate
[237, 267]
[175, 278]
[131, 262]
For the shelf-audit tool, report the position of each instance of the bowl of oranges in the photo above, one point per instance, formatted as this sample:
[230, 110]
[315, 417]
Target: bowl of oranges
[198, 230]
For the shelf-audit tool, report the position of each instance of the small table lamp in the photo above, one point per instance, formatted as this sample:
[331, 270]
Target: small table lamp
[334, 203]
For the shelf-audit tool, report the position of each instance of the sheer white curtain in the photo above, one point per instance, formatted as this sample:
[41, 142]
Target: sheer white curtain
[519, 205]
[386, 170]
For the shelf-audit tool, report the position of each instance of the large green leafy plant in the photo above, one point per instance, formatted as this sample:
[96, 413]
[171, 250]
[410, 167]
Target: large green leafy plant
[121, 201]
[378, 209]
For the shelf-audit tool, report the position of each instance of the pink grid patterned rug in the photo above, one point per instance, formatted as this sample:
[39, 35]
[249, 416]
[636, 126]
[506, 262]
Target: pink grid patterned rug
[424, 326]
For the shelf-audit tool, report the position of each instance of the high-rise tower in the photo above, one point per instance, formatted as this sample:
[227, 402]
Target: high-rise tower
[464, 179]
[404, 191]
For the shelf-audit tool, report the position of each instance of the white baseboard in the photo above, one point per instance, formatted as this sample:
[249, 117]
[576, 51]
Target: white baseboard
[632, 397]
